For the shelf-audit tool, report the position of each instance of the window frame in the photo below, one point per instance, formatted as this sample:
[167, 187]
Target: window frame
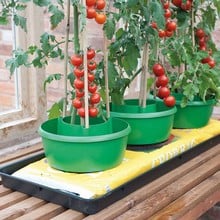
[21, 124]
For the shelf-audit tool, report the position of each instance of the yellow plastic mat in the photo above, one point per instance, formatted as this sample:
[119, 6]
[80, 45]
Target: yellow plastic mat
[95, 185]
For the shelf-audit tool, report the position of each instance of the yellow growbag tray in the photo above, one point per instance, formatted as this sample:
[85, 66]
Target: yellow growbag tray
[96, 185]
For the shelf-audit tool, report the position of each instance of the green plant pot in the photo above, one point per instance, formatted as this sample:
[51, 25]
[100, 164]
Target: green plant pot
[195, 115]
[84, 153]
[150, 126]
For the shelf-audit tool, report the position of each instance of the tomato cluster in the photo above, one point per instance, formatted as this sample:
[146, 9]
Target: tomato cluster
[161, 84]
[186, 6]
[94, 10]
[202, 39]
[170, 25]
[94, 97]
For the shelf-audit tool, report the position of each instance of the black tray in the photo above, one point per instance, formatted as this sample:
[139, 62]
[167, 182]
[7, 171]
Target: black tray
[91, 206]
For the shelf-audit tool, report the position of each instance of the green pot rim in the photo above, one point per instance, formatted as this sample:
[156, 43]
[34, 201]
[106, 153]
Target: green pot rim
[196, 102]
[157, 114]
[86, 139]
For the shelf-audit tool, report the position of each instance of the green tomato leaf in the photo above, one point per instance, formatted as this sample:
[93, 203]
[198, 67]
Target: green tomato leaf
[20, 21]
[50, 78]
[55, 111]
[42, 2]
[57, 15]
[109, 28]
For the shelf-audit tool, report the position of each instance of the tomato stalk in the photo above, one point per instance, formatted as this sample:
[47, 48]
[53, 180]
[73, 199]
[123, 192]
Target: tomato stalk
[66, 58]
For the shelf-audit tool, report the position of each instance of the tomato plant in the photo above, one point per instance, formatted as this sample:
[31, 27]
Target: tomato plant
[192, 53]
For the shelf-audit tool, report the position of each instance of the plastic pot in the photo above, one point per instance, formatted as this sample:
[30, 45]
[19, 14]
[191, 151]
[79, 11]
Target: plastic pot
[195, 115]
[148, 126]
[84, 151]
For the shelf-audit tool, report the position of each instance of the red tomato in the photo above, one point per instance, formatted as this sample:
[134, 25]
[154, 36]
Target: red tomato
[91, 77]
[90, 53]
[177, 2]
[100, 18]
[79, 93]
[77, 103]
[200, 33]
[90, 12]
[186, 6]
[163, 92]
[78, 72]
[202, 42]
[162, 33]
[211, 63]
[171, 25]
[169, 101]
[202, 47]
[100, 4]
[166, 4]
[158, 69]
[76, 60]
[154, 24]
[167, 13]
[81, 112]
[162, 81]
[95, 98]
[92, 88]
[93, 111]
[78, 83]
[206, 60]
[169, 33]
[90, 2]
[91, 65]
